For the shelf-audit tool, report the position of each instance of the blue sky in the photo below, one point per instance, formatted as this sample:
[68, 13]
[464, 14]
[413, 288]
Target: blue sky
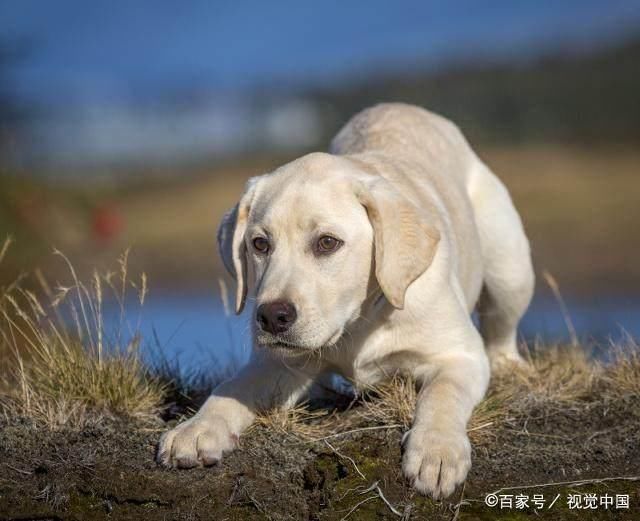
[86, 50]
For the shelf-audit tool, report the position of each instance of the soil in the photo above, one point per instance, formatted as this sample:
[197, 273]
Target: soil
[107, 471]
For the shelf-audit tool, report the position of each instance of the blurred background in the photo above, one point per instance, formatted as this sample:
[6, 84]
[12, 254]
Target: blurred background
[136, 124]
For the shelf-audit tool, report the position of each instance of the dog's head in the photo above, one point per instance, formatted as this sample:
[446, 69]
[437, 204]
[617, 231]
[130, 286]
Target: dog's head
[316, 240]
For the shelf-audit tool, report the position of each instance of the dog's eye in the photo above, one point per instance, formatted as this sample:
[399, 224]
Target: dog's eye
[327, 244]
[261, 244]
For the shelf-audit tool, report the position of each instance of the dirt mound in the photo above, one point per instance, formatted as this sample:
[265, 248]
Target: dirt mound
[107, 471]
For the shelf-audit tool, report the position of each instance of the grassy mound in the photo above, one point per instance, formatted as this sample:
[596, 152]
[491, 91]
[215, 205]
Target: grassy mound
[82, 414]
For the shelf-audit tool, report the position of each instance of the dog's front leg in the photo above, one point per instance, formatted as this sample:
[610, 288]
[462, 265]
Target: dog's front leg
[214, 430]
[437, 453]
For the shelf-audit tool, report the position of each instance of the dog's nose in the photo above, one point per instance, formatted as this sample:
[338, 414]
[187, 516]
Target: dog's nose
[276, 317]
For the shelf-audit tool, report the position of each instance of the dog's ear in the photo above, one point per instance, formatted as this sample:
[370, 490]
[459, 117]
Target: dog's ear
[231, 243]
[404, 240]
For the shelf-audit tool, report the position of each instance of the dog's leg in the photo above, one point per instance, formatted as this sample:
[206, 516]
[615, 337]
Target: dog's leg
[437, 452]
[508, 273]
[214, 430]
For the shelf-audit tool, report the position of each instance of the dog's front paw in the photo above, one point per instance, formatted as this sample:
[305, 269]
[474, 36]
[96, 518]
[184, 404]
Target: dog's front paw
[196, 442]
[436, 461]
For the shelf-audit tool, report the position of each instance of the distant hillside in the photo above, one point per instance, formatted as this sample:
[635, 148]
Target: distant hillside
[593, 98]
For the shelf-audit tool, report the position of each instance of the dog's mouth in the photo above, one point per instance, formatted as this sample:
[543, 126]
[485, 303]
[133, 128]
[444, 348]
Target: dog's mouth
[288, 345]
[292, 348]
[279, 344]
[277, 341]
[286, 349]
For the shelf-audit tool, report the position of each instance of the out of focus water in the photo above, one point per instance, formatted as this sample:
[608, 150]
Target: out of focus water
[194, 331]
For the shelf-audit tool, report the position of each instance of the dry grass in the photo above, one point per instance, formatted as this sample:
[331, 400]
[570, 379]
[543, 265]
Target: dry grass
[66, 368]
[623, 374]
[300, 421]
[393, 403]
[557, 377]
[559, 374]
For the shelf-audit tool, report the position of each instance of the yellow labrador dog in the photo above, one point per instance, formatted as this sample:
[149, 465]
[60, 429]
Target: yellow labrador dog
[368, 261]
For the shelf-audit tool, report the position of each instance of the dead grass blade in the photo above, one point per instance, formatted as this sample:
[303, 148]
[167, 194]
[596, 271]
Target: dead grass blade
[64, 368]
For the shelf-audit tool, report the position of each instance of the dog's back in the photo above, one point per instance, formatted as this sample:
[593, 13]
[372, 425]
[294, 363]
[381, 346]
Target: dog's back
[430, 162]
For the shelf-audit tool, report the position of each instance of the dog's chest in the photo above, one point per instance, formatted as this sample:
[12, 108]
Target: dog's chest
[360, 371]
[364, 371]
[373, 355]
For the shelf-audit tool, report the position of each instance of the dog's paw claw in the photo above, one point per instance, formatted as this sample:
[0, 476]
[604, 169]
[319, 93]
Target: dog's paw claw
[436, 462]
[196, 442]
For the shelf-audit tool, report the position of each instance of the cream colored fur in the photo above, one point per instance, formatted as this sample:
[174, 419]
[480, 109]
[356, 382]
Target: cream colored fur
[426, 229]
